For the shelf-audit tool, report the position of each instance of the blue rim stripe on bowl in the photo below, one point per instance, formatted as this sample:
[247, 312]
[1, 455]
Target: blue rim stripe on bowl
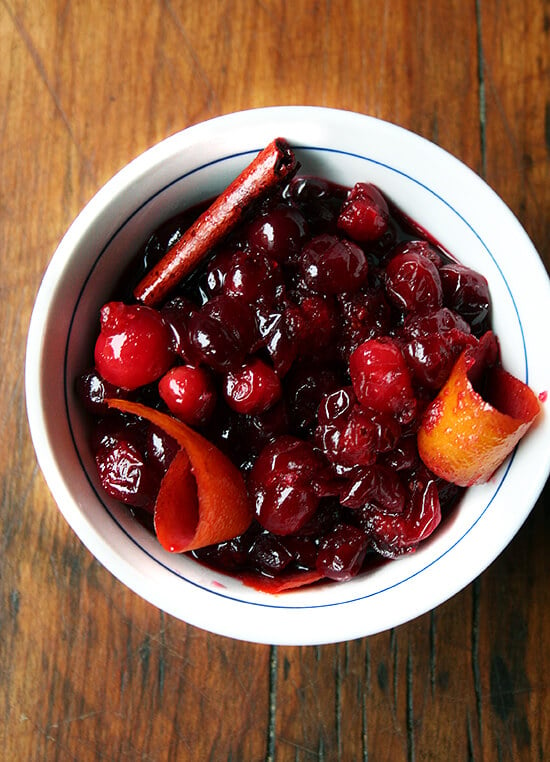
[69, 382]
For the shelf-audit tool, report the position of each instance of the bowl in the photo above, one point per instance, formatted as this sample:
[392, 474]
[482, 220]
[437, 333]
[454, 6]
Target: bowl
[443, 196]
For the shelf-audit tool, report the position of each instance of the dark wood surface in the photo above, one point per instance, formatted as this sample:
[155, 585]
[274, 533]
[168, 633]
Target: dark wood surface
[88, 671]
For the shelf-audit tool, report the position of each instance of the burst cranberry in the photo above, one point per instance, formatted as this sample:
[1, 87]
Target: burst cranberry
[331, 265]
[222, 332]
[423, 248]
[253, 388]
[269, 554]
[176, 314]
[133, 348]
[467, 292]
[413, 283]
[320, 324]
[365, 315]
[282, 485]
[253, 278]
[280, 334]
[346, 433]
[279, 233]
[375, 484]
[318, 201]
[381, 379]
[94, 390]
[342, 553]
[160, 448]
[395, 534]
[189, 394]
[365, 214]
[125, 474]
[217, 270]
[305, 387]
[434, 323]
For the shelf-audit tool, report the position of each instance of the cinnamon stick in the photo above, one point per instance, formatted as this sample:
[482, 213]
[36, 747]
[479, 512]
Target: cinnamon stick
[271, 166]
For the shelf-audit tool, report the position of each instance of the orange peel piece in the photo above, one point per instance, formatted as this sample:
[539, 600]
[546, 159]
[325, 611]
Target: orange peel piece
[465, 437]
[282, 584]
[202, 498]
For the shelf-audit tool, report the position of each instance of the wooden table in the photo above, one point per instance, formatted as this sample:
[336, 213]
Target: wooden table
[88, 671]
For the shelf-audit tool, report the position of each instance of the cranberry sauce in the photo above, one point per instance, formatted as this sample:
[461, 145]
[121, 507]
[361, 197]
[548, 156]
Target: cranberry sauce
[306, 348]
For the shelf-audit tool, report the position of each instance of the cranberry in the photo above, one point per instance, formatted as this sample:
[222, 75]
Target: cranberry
[231, 555]
[253, 278]
[381, 379]
[365, 214]
[269, 554]
[189, 394]
[281, 484]
[280, 335]
[94, 390]
[342, 553]
[253, 388]
[217, 270]
[422, 248]
[376, 484]
[222, 332]
[305, 387]
[437, 322]
[176, 314]
[319, 202]
[319, 324]
[279, 233]
[331, 265]
[395, 534]
[346, 433]
[365, 315]
[413, 283]
[134, 346]
[160, 448]
[467, 292]
[125, 474]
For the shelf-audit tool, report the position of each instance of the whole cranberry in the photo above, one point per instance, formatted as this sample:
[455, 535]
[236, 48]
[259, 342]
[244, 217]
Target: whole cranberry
[467, 292]
[134, 345]
[381, 379]
[279, 233]
[253, 388]
[332, 265]
[365, 214]
[282, 485]
[413, 283]
[189, 393]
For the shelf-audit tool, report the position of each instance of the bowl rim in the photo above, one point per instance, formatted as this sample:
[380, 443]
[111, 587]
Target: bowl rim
[76, 515]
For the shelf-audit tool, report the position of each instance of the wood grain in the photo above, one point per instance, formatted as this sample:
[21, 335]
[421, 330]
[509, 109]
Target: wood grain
[88, 671]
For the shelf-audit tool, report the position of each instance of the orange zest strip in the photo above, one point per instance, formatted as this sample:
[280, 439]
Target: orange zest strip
[202, 499]
[465, 437]
[280, 584]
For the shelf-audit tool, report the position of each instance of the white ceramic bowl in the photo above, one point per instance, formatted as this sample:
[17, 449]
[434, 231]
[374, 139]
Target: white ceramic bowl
[437, 191]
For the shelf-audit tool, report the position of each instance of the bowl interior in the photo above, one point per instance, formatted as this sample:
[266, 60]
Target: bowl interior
[442, 196]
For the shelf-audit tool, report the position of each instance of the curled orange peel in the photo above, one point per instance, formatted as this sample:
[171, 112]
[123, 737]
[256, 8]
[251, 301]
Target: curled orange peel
[202, 498]
[465, 437]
